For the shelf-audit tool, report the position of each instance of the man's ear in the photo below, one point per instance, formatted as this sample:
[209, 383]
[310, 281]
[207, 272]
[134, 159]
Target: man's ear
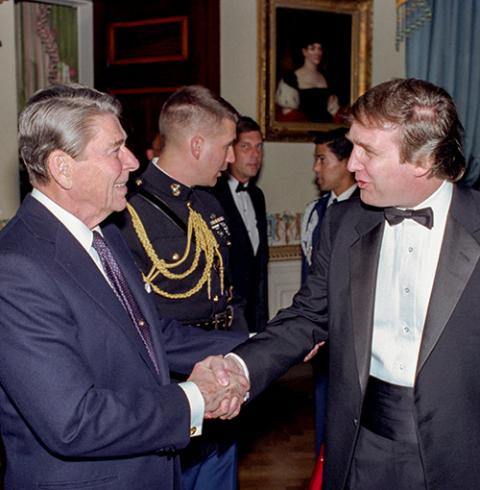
[60, 168]
[196, 146]
[423, 166]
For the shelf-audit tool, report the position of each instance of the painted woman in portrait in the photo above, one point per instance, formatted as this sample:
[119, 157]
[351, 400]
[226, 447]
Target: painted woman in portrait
[304, 94]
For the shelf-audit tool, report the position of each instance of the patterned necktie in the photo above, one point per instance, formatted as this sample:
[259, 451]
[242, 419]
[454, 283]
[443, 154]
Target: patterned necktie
[123, 293]
[424, 216]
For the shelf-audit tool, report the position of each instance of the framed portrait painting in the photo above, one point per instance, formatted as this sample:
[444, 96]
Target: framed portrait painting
[314, 61]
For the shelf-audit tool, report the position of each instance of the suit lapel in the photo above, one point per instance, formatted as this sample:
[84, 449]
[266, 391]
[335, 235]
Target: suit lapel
[458, 258]
[364, 256]
[78, 265]
[136, 285]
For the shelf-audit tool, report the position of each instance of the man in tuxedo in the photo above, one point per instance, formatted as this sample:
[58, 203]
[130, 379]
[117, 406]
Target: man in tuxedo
[85, 395]
[332, 151]
[244, 205]
[395, 289]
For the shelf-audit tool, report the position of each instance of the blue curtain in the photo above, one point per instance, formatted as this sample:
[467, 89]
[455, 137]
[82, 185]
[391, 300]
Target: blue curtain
[446, 51]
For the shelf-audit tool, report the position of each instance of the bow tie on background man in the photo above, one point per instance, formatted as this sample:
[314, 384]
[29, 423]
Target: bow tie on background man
[241, 187]
[423, 216]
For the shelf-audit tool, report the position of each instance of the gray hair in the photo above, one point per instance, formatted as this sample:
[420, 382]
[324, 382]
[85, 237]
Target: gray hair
[59, 117]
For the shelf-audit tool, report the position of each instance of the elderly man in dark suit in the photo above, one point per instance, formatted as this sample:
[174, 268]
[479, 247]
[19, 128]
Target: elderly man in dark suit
[244, 205]
[85, 396]
[395, 289]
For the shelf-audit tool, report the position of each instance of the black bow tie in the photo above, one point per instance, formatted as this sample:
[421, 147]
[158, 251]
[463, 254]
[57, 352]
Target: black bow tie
[423, 216]
[241, 188]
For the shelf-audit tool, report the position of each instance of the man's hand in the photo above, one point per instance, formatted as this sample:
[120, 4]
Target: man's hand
[223, 385]
[313, 352]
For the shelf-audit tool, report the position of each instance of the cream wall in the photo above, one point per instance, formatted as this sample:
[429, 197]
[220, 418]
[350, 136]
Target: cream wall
[287, 176]
[9, 181]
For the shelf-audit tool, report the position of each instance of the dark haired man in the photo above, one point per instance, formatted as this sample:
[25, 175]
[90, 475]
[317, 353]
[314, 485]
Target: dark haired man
[394, 288]
[337, 183]
[179, 237]
[244, 205]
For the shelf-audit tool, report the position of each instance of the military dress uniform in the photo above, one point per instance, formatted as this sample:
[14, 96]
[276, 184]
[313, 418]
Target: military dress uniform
[169, 228]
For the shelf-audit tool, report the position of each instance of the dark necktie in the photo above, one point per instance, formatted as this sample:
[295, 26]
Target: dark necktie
[241, 187]
[123, 293]
[423, 216]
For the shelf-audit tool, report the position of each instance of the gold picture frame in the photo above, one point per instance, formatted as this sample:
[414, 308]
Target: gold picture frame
[343, 28]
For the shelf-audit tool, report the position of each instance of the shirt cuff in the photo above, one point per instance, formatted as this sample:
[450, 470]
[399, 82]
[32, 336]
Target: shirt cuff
[245, 370]
[197, 407]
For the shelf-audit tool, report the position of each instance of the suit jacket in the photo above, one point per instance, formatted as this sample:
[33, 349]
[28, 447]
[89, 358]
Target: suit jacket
[81, 405]
[249, 270]
[340, 305]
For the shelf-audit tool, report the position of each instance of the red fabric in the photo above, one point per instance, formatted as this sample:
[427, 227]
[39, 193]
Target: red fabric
[317, 477]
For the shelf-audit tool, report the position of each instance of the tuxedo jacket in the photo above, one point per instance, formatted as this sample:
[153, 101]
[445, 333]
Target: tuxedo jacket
[337, 302]
[81, 405]
[249, 270]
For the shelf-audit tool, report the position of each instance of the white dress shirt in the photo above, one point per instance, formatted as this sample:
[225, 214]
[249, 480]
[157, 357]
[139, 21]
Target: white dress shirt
[84, 236]
[244, 204]
[406, 271]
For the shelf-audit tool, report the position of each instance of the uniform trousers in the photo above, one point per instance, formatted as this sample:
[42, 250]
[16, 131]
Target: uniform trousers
[217, 471]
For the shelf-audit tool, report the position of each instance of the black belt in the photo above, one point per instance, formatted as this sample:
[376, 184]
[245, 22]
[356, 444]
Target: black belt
[219, 321]
[388, 410]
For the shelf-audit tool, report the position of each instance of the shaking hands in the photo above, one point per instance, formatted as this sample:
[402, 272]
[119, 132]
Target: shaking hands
[223, 384]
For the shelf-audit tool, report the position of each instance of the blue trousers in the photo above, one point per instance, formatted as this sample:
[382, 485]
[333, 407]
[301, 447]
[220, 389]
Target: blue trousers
[217, 471]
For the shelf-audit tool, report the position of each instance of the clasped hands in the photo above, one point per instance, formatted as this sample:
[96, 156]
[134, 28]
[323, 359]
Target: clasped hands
[223, 385]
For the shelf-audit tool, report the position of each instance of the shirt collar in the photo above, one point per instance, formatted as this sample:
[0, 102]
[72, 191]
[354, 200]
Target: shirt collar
[233, 183]
[343, 196]
[155, 163]
[76, 227]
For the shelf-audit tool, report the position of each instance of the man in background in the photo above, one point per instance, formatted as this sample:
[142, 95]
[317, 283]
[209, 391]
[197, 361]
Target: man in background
[155, 147]
[337, 183]
[85, 393]
[244, 205]
[179, 237]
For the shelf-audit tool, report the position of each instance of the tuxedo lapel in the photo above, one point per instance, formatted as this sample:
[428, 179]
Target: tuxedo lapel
[364, 256]
[234, 216]
[459, 256]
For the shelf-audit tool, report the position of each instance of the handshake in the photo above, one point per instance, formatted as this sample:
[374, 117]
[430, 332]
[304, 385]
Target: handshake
[223, 384]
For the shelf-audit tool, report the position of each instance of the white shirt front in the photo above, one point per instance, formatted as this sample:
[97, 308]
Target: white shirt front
[84, 236]
[244, 204]
[406, 272]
